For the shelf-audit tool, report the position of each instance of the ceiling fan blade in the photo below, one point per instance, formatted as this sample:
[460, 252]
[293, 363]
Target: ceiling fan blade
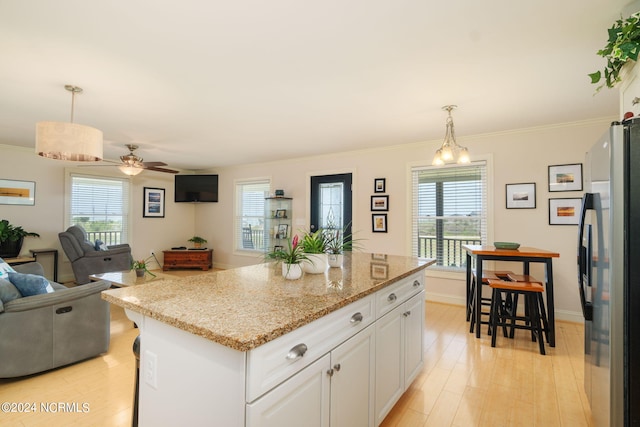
[157, 169]
[148, 165]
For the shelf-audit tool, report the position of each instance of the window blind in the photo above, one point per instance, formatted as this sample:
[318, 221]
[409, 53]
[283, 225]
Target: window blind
[101, 206]
[449, 210]
[249, 233]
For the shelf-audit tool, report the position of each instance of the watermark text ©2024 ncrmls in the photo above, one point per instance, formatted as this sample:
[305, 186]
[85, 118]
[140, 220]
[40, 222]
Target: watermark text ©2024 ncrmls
[46, 407]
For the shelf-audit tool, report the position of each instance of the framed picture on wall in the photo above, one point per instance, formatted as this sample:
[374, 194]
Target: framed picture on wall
[521, 196]
[564, 211]
[379, 223]
[565, 177]
[17, 192]
[379, 203]
[379, 185]
[153, 204]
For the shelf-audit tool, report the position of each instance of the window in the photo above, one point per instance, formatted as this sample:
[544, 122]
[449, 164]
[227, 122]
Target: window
[449, 210]
[250, 197]
[101, 206]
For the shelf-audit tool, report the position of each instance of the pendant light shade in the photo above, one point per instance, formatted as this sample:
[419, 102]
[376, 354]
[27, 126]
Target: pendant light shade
[450, 151]
[69, 141]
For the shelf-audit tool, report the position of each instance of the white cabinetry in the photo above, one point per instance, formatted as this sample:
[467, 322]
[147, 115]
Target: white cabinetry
[399, 352]
[302, 400]
[336, 390]
[352, 381]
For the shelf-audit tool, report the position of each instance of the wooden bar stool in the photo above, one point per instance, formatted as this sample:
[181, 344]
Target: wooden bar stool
[504, 316]
[543, 311]
[471, 308]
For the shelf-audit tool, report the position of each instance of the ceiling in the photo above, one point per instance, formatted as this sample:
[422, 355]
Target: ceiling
[206, 84]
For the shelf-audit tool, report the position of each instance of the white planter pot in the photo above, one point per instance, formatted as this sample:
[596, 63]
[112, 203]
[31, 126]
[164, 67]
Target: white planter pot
[316, 264]
[335, 260]
[291, 271]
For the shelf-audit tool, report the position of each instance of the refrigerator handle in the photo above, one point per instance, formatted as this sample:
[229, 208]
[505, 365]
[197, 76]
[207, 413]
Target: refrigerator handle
[587, 203]
[584, 256]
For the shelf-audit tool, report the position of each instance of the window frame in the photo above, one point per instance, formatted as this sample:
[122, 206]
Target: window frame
[70, 173]
[238, 249]
[438, 271]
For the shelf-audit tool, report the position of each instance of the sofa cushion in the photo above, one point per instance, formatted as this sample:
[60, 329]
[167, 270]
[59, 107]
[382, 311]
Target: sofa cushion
[8, 292]
[4, 269]
[30, 284]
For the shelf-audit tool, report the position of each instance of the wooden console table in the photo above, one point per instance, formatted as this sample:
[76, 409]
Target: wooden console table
[185, 258]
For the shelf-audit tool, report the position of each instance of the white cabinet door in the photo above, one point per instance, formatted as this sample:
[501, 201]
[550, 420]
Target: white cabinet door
[302, 400]
[352, 381]
[389, 362]
[399, 353]
[413, 313]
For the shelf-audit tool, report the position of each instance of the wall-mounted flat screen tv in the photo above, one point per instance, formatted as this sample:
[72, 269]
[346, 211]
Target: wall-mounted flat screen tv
[196, 188]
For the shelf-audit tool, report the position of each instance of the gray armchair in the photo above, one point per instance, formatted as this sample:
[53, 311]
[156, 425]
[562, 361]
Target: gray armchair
[86, 260]
[43, 332]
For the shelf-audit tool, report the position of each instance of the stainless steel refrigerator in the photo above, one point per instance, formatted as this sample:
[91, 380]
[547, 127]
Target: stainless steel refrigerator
[609, 275]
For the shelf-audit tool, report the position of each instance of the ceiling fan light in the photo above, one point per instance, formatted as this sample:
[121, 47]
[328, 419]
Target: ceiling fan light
[130, 170]
[68, 141]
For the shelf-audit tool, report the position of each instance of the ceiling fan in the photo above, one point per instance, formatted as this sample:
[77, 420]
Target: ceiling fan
[133, 165]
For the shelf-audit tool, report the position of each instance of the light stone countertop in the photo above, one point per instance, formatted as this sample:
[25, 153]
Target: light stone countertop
[246, 307]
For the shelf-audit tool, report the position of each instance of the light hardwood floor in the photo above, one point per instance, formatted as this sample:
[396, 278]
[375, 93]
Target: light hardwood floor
[465, 382]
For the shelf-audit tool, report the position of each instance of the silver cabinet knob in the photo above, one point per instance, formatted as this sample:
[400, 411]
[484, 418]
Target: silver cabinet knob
[336, 367]
[407, 313]
[297, 352]
[416, 283]
[330, 372]
[356, 318]
[392, 297]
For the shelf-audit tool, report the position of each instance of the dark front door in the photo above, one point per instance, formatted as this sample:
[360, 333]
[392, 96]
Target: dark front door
[331, 202]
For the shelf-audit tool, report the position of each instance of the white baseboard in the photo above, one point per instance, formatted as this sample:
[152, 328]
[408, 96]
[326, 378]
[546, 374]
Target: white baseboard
[563, 315]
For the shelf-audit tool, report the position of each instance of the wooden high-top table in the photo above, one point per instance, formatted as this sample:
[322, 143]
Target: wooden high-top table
[524, 255]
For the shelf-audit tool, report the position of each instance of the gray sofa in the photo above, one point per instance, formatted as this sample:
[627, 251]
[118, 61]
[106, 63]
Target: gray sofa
[42, 332]
[86, 259]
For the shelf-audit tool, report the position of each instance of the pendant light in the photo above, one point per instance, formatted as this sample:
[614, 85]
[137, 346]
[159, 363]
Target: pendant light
[69, 141]
[450, 151]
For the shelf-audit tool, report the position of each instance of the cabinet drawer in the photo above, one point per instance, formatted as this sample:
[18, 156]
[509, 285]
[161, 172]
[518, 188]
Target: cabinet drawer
[277, 360]
[392, 296]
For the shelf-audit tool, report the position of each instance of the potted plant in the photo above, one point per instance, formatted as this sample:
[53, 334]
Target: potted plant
[314, 246]
[338, 242]
[291, 257]
[197, 241]
[140, 266]
[11, 238]
[622, 46]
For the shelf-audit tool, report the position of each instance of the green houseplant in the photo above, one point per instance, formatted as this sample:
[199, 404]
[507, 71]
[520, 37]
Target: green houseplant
[622, 46]
[11, 238]
[291, 257]
[197, 241]
[314, 245]
[339, 242]
[141, 266]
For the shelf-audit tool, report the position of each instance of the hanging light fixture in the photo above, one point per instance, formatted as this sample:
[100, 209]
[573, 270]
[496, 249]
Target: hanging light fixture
[69, 141]
[450, 150]
[131, 164]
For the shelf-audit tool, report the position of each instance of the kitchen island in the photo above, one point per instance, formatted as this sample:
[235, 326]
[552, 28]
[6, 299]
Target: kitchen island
[247, 347]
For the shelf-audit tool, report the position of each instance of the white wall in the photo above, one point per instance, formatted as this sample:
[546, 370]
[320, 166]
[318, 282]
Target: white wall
[516, 157]
[46, 217]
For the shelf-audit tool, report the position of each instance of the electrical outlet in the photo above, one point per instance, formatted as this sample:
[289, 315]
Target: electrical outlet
[150, 369]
